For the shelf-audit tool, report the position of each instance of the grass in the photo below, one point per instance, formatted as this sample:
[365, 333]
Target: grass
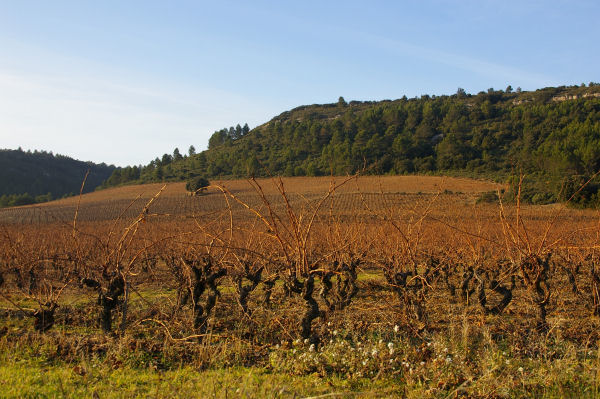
[444, 365]
[34, 379]
[26, 374]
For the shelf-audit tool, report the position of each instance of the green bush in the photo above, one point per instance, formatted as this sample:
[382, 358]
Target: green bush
[197, 184]
[488, 197]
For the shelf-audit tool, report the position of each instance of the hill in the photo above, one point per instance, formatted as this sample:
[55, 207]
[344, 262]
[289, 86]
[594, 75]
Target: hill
[27, 177]
[551, 134]
[377, 192]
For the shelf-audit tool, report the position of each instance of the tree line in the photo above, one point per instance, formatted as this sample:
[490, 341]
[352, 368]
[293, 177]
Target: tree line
[28, 177]
[551, 135]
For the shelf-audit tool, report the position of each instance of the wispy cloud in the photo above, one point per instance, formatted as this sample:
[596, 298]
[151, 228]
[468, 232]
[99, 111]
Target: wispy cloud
[102, 120]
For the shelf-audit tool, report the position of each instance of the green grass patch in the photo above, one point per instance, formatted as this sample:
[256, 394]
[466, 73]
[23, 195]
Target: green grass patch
[30, 378]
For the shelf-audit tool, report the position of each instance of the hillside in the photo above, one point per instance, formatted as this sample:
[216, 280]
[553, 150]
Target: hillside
[375, 191]
[549, 134]
[27, 175]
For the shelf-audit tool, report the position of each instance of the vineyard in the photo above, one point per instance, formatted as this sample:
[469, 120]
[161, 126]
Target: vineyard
[346, 287]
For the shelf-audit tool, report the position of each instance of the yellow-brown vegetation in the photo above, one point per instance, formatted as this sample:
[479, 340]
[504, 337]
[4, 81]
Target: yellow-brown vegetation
[260, 264]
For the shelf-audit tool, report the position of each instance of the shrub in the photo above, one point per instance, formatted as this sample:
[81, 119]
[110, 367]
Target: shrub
[197, 184]
[488, 197]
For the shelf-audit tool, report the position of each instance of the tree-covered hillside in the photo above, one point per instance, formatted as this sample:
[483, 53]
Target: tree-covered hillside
[550, 134]
[27, 177]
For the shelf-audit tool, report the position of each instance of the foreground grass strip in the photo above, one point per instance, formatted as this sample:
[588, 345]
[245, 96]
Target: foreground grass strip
[35, 379]
[31, 378]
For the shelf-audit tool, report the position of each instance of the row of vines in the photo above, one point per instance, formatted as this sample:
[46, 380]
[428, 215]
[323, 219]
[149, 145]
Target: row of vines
[287, 271]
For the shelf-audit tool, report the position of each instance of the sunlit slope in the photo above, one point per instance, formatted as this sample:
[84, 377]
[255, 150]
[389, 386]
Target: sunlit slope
[352, 196]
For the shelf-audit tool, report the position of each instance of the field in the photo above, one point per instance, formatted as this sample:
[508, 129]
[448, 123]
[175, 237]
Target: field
[174, 201]
[405, 286]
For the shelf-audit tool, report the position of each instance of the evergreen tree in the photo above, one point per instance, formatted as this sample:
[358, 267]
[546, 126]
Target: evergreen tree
[166, 159]
[177, 155]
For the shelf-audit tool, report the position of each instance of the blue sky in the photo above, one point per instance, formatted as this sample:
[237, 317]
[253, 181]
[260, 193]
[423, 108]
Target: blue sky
[125, 81]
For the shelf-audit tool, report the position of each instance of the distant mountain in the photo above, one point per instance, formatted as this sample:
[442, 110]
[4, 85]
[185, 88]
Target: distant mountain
[551, 134]
[39, 173]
